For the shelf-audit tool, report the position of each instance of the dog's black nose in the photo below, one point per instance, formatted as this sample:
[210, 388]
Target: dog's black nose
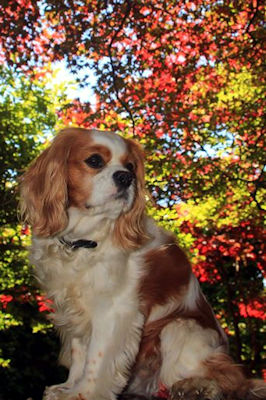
[122, 179]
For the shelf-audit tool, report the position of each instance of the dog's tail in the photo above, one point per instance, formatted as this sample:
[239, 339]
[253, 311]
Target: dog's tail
[231, 380]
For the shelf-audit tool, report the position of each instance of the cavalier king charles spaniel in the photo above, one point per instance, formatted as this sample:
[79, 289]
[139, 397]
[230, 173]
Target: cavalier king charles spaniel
[129, 311]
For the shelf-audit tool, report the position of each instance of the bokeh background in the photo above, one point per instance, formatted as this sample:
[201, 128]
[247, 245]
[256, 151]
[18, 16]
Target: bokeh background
[185, 79]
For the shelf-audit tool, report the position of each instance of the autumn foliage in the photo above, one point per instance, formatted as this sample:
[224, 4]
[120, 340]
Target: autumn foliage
[185, 78]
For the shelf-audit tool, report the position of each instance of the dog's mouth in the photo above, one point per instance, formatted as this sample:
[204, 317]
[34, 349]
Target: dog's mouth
[122, 195]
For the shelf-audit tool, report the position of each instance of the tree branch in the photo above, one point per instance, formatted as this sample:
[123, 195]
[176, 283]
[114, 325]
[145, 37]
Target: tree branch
[258, 182]
[255, 11]
[113, 68]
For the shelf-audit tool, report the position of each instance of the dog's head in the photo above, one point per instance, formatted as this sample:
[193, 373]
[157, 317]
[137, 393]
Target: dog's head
[86, 169]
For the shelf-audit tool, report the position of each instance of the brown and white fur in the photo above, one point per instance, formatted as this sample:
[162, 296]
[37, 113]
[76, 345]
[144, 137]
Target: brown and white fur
[130, 312]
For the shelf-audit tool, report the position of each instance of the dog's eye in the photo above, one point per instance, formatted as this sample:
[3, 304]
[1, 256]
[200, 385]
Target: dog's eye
[130, 167]
[95, 161]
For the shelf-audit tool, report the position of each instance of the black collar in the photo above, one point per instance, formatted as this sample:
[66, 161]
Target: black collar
[76, 244]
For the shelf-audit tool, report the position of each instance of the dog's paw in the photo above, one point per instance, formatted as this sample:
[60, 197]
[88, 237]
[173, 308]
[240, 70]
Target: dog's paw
[62, 392]
[196, 389]
[127, 396]
[56, 392]
[80, 391]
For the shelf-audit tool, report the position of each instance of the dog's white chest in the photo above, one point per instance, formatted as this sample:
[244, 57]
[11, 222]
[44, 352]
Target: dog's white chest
[86, 282]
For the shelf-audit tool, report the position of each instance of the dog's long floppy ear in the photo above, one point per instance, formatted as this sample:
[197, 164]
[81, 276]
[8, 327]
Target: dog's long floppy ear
[44, 189]
[129, 228]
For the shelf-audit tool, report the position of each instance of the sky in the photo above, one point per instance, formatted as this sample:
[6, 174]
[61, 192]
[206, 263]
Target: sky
[64, 75]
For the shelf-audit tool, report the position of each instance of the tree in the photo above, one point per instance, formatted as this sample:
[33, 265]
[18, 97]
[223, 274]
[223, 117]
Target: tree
[28, 117]
[184, 78]
[182, 71]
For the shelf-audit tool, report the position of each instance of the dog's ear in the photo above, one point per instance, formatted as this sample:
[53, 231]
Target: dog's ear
[129, 229]
[44, 190]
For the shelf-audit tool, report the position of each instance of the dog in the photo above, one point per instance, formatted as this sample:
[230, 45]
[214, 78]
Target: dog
[129, 311]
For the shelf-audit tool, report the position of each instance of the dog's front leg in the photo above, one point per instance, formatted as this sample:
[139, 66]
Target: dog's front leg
[113, 347]
[76, 369]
